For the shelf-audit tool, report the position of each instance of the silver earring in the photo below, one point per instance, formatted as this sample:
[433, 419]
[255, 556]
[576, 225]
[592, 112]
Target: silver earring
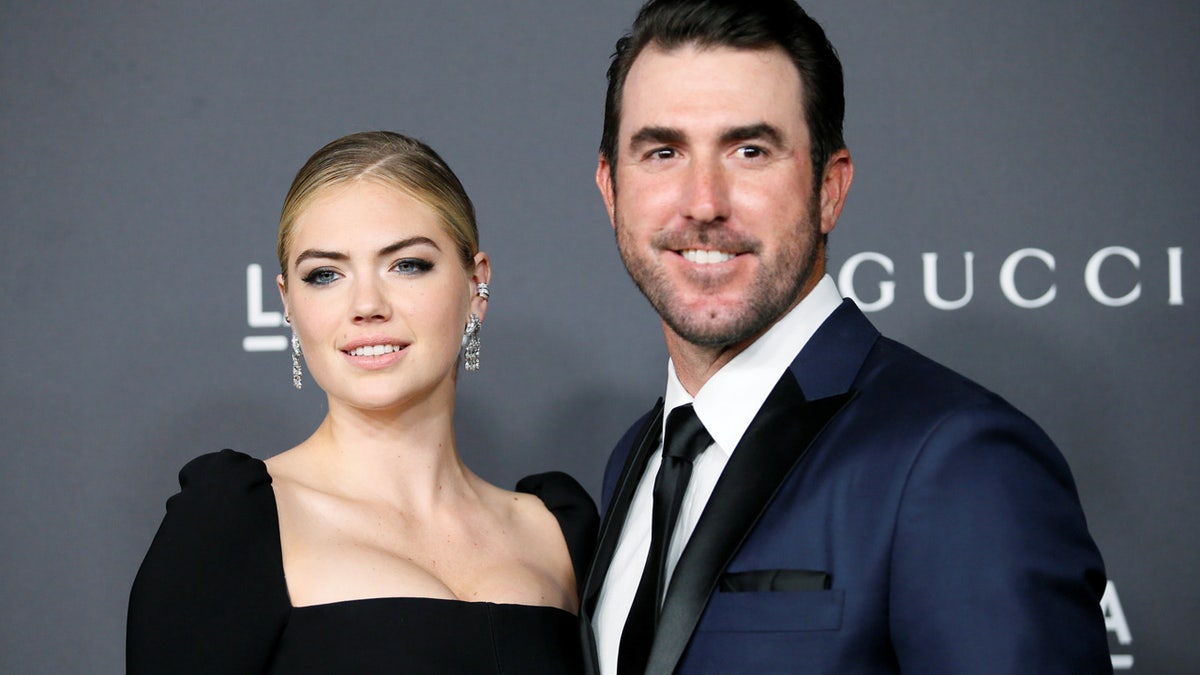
[296, 372]
[483, 290]
[471, 355]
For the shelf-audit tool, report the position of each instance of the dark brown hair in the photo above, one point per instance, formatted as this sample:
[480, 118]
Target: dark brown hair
[738, 24]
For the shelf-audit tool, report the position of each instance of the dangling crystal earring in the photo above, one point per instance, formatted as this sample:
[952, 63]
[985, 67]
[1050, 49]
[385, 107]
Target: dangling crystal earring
[471, 355]
[296, 372]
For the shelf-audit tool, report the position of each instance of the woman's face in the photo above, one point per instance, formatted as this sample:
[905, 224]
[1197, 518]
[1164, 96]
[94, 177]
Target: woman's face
[378, 296]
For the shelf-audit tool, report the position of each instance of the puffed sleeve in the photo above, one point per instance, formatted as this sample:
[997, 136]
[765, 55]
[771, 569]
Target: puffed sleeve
[210, 596]
[575, 511]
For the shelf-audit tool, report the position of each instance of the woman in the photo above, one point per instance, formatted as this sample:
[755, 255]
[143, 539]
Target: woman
[369, 547]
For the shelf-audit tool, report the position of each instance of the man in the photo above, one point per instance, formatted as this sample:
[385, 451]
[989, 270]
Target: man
[848, 506]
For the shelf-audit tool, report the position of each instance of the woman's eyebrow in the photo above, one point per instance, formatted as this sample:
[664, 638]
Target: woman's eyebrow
[405, 243]
[385, 251]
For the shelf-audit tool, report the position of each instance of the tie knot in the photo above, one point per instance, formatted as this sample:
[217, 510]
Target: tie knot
[685, 436]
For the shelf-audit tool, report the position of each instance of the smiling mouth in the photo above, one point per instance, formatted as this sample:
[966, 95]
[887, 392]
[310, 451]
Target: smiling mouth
[706, 257]
[373, 350]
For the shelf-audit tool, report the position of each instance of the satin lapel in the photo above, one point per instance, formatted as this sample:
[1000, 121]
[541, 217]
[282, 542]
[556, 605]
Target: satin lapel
[645, 443]
[773, 444]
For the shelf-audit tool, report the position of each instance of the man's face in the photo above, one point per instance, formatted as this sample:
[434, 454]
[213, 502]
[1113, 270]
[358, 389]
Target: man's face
[713, 201]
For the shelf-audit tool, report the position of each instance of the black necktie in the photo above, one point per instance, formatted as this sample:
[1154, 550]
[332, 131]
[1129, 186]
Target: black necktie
[684, 439]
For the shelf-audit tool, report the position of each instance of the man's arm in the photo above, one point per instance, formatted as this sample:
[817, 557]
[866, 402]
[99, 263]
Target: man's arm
[993, 569]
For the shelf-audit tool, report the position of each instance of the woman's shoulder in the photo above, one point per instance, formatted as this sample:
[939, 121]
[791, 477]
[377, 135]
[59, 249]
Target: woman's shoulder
[574, 509]
[220, 527]
[210, 594]
[225, 467]
[223, 496]
[218, 479]
[561, 494]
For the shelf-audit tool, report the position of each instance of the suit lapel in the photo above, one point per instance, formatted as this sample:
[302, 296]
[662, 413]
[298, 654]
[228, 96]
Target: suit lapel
[644, 444]
[772, 445]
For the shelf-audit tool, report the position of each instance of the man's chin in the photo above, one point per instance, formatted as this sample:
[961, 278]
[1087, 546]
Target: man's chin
[716, 331]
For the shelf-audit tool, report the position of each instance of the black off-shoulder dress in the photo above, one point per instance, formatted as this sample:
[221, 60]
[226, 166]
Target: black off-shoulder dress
[211, 598]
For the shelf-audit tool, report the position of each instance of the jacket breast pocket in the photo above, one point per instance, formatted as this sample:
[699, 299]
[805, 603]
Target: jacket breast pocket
[773, 611]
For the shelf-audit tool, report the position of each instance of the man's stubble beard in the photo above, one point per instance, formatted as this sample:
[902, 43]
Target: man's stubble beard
[777, 287]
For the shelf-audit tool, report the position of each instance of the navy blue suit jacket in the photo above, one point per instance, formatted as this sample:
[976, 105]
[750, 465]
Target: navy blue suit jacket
[881, 514]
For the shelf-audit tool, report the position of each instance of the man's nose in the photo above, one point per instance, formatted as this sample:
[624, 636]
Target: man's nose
[706, 193]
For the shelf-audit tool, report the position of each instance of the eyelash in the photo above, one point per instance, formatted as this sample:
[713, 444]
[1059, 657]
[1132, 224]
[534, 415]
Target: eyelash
[314, 278]
[757, 152]
[323, 276]
[416, 266]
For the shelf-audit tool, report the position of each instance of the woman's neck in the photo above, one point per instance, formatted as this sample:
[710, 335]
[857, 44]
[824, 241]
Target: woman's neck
[404, 457]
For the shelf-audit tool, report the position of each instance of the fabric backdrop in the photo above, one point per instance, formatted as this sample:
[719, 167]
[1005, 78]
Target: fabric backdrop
[1025, 210]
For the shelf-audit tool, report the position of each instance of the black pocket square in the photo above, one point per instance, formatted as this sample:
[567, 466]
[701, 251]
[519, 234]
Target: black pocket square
[775, 580]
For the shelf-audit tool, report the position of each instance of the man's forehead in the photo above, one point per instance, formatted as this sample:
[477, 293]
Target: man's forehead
[716, 86]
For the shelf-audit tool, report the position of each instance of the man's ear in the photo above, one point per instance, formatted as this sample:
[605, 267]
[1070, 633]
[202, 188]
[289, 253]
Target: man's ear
[604, 181]
[839, 173]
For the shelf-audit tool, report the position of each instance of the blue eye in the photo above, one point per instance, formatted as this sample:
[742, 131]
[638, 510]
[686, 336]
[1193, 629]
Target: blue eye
[322, 276]
[412, 266]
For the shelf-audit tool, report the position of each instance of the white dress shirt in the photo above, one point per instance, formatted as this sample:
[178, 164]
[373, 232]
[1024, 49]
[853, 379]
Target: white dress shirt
[726, 404]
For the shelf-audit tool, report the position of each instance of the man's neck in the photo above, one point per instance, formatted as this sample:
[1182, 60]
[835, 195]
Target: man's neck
[696, 364]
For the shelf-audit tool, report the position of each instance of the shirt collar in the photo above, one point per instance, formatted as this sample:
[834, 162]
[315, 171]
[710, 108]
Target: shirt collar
[728, 402]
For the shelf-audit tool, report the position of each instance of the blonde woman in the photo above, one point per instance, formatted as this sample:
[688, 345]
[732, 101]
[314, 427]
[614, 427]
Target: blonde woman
[370, 546]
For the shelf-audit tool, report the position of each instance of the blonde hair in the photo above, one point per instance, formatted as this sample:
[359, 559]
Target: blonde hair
[391, 159]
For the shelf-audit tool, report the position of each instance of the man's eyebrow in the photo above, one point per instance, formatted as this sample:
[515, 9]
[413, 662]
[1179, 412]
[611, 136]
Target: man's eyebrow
[656, 136]
[671, 136]
[761, 131]
[385, 251]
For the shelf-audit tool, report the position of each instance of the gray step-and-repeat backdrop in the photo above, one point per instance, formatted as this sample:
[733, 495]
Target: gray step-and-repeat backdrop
[1025, 210]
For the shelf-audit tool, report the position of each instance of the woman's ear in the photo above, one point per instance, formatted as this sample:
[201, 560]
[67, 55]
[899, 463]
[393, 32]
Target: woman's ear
[281, 283]
[479, 293]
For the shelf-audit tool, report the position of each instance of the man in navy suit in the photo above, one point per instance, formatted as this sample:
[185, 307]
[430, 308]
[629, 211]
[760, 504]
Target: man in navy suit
[809, 497]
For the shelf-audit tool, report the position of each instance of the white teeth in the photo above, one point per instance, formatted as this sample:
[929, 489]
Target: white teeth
[705, 257]
[374, 350]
